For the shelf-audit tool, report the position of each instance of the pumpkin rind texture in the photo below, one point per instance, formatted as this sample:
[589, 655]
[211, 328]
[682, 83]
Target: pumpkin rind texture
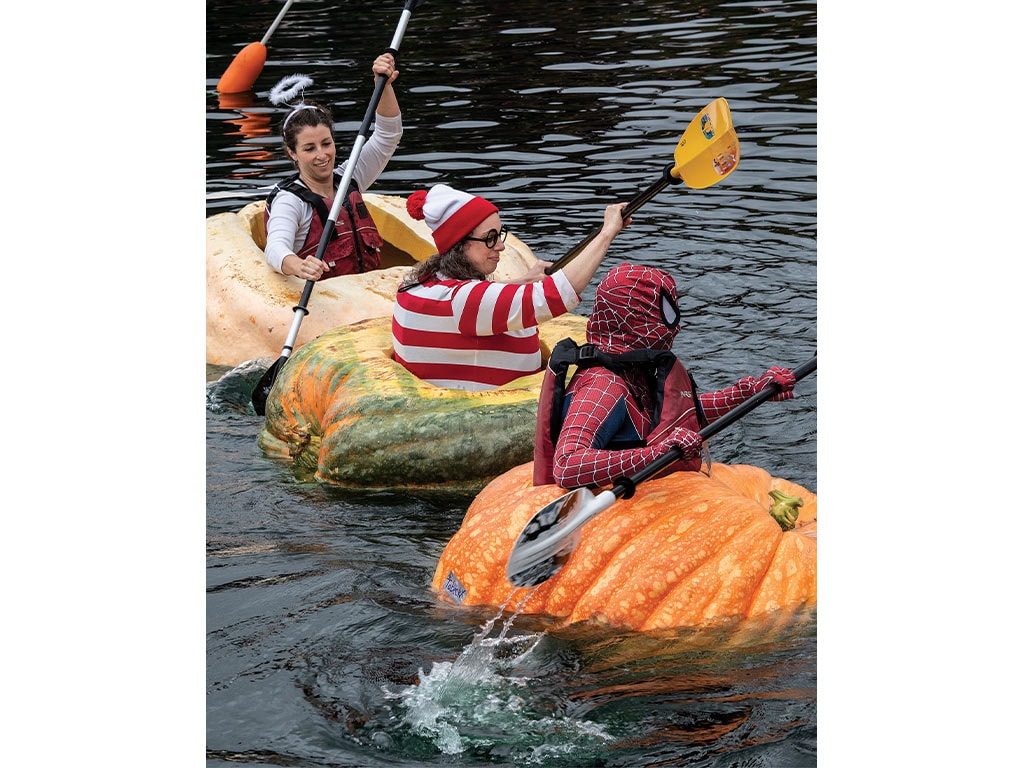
[687, 550]
[343, 412]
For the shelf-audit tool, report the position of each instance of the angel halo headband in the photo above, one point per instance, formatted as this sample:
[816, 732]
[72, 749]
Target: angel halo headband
[287, 90]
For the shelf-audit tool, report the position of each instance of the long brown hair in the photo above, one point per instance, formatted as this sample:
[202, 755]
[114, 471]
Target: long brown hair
[453, 264]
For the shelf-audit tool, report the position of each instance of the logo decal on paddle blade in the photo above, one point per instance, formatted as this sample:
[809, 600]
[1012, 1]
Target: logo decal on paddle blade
[706, 127]
[727, 160]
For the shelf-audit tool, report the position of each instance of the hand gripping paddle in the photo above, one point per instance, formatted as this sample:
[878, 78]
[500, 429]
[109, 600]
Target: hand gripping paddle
[707, 152]
[265, 384]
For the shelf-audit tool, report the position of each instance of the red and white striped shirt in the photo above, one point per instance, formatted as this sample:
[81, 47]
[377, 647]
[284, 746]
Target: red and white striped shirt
[475, 334]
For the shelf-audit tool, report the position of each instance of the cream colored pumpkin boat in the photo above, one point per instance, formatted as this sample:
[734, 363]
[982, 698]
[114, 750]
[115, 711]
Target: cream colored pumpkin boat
[250, 307]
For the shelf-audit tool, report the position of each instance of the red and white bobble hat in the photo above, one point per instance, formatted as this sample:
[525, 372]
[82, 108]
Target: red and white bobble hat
[450, 214]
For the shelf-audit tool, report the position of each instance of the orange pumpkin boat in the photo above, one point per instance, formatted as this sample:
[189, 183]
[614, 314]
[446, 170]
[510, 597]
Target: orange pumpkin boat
[686, 550]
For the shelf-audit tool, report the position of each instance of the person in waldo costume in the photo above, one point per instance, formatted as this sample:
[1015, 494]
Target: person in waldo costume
[453, 325]
[631, 400]
[299, 207]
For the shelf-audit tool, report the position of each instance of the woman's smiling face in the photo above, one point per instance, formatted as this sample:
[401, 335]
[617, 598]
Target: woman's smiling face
[314, 153]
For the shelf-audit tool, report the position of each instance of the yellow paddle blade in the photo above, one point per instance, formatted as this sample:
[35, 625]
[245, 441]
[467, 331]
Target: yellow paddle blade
[709, 149]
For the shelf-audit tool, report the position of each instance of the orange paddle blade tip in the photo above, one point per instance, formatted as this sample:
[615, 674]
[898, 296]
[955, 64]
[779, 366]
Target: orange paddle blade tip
[243, 71]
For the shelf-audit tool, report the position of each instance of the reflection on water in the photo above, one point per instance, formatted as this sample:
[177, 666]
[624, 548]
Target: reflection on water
[252, 123]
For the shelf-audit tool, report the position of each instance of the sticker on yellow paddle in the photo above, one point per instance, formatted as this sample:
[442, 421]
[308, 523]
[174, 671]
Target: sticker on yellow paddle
[709, 149]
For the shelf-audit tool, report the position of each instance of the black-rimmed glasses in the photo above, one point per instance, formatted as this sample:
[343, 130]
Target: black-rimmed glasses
[491, 238]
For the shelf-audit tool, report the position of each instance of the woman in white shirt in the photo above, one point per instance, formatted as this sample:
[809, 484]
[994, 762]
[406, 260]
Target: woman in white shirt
[298, 207]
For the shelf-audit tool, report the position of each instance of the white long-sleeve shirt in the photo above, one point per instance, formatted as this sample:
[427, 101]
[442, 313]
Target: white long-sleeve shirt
[290, 216]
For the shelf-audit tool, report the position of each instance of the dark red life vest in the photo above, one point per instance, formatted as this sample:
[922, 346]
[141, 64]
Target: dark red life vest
[675, 397]
[354, 245]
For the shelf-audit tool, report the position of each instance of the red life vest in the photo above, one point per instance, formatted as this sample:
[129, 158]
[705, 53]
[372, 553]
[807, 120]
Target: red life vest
[354, 245]
[675, 396]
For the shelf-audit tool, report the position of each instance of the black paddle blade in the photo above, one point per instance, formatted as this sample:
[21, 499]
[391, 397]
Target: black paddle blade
[529, 566]
[262, 391]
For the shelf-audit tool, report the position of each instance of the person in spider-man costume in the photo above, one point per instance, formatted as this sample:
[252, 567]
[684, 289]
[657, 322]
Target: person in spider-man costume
[618, 421]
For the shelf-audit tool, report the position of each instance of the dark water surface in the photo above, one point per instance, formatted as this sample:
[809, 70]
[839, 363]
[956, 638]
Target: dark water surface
[325, 645]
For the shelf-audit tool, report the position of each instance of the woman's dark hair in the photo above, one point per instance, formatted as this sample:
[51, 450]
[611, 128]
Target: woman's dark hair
[305, 116]
[453, 264]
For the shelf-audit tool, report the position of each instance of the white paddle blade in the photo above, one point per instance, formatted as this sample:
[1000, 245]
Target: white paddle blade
[541, 571]
[551, 536]
[532, 562]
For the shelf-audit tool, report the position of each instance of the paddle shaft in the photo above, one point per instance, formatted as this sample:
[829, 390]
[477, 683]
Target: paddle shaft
[631, 207]
[713, 428]
[342, 193]
[332, 219]
[277, 21]
[263, 387]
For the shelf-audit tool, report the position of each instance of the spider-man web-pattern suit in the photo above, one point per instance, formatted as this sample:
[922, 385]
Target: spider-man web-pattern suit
[635, 308]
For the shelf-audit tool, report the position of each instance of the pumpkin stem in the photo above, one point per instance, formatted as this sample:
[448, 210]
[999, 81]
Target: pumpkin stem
[786, 509]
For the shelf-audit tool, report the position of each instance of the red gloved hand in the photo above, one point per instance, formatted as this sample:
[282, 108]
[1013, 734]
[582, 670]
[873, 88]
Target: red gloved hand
[783, 376]
[688, 441]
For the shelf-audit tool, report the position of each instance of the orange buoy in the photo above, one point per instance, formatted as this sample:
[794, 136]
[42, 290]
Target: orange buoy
[244, 70]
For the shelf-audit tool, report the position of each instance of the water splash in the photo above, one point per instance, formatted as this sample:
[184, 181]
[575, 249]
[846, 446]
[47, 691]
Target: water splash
[485, 702]
[233, 391]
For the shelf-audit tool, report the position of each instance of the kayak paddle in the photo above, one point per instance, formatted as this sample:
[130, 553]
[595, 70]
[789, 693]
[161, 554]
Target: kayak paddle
[707, 152]
[259, 395]
[248, 62]
[551, 536]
